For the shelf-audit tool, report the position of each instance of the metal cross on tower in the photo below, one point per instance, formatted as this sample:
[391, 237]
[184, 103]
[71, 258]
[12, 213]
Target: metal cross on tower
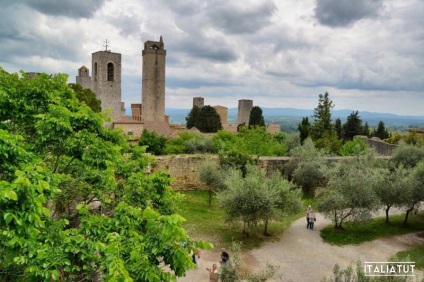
[106, 44]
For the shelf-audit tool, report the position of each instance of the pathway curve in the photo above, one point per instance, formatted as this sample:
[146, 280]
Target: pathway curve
[303, 256]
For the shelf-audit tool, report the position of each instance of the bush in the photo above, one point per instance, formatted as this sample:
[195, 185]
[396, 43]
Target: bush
[200, 144]
[155, 143]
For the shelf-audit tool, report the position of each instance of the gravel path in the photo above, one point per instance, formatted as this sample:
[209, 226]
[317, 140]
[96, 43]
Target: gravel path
[303, 256]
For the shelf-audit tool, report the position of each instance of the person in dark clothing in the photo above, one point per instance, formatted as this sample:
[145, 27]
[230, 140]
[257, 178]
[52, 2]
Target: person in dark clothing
[224, 256]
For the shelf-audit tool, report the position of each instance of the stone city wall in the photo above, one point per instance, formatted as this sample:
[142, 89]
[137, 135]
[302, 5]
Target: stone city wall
[381, 147]
[184, 169]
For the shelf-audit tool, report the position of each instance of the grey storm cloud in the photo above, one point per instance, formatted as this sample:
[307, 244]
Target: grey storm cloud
[341, 13]
[68, 8]
[244, 19]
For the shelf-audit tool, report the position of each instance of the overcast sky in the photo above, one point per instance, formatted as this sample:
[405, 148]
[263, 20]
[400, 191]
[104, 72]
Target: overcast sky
[368, 54]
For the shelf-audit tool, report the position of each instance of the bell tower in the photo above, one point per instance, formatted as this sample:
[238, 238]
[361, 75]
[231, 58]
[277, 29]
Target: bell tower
[106, 81]
[153, 89]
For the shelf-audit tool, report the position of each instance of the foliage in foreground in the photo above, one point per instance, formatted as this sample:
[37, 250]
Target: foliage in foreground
[415, 254]
[76, 204]
[233, 271]
[358, 275]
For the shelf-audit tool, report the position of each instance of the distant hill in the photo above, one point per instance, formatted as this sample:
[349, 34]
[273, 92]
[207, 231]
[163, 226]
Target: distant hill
[292, 116]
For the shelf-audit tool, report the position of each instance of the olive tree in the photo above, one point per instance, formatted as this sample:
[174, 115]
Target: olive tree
[211, 175]
[415, 193]
[306, 167]
[350, 195]
[392, 187]
[257, 198]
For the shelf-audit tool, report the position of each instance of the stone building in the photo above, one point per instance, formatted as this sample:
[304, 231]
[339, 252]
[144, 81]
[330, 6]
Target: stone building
[106, 81]
[153, 88]
[198, 101]
[273, 128]
[223, 113]
[83, 77]
[244, 108]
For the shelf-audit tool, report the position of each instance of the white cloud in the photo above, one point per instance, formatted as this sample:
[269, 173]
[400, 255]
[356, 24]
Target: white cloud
[278, 53]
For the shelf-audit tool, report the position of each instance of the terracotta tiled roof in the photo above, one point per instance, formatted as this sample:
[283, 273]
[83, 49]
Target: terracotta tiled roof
[160, 127]
[127, 120]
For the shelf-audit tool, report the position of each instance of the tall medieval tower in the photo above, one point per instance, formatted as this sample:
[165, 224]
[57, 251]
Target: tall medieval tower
[153, 89]
[106, 81]
[83, 77]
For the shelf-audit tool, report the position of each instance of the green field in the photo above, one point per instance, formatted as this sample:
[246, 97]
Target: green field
[354, 233]
[208, 223]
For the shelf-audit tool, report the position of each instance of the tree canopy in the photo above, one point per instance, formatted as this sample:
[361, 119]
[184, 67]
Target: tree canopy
[76, 203]
[256, 118]
[322, 117]
[87, 96]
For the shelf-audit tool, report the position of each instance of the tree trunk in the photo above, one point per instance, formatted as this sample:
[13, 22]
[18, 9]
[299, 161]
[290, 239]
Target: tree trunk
[387, 214]
[335, 219]
[266, 228]
[407, 214]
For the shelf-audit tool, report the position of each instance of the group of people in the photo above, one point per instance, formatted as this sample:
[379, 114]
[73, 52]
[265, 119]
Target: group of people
[310, 218]
[213, 271]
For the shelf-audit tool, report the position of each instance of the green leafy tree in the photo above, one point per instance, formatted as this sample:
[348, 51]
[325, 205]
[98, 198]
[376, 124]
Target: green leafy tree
[211, 175]
[306, 167]
[407, 156]
[338, 128]
[256, 198]
[193, 117]
[415, 193]
[366, 130]
[179, 145]
[355, 147]
[322, 117]
[235, 160]
[154, 142]
[304, 129]
[350, 194]
[209, 120]
[256, 118]
[72, 208]
[381, 131]
[391, 188]
[87, 96]
[352, 127]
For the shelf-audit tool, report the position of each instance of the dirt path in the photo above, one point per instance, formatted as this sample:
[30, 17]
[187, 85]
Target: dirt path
[303, 256]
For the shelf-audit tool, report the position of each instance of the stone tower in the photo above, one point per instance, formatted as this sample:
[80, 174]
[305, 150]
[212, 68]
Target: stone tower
[244, 108]
[83, 77]
[223, 113]
[198, 101]
[106, 81]
[153, 89]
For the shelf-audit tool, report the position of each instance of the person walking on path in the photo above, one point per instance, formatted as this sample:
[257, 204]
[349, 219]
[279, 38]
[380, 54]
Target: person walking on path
[224, 256]
[312, 219]
[308, 211]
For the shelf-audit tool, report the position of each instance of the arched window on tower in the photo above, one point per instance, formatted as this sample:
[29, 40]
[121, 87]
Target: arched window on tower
[110, 70]
[95, 71]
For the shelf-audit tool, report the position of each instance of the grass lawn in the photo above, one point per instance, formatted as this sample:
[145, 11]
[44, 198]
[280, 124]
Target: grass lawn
[376, 228]
[208, 223]
[415, 254]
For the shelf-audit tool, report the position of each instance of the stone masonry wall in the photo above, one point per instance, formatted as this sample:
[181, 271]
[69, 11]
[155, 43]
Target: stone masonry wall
[382, 148]
[184, 169]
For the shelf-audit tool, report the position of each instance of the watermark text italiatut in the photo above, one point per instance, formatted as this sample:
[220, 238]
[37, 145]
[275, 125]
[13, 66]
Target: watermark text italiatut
[389, 268]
